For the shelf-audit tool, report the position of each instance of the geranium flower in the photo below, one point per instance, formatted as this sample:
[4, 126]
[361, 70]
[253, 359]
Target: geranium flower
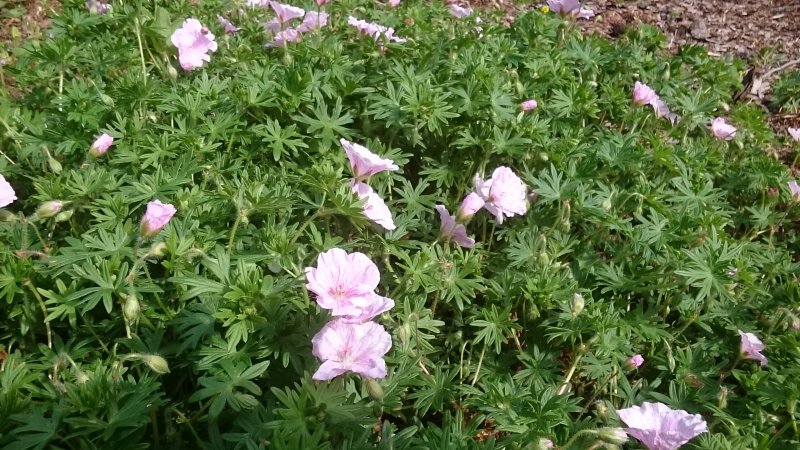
[752, 347]
[471, 204]
[344, 282]
[101, 145]
[794, 189]
[643, 94]
[229, 27]
[285, 12]
[97, 7]
[377, 305]
[351, 347]
[285, 36]
[635, 361]
[459, 12]
[7, 194]
[572, 7]
[660, 428]
[375, 209]
[374, 30]
[529, 105]
[505, 194]
[156, 217]
[363, 162]
[394, 3]
[193, 41]
[453, 231]
[722, 130]
[795, 133]
[313, 21]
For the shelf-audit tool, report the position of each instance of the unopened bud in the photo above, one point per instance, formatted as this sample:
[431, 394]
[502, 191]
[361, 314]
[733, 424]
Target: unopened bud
[55, 166]
[131, 308]
[158, 249]
[375, 390]
[615, 436]
[7, 216]
[722, 399]
[156, 363]
[107, 100]
[172, 71]
[544, 259]
[64, 216]
[49, 209]
[577, 304]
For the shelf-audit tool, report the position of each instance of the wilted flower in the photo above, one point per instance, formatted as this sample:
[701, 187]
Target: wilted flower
[344, 282]
[285, 12]
[459, 12]
[7, 194]
[351, 347]
[313, 21]
[529, 105]
[452, 230]
[98, 7]
[643, 94]
[374, 30]
[229, 27]
[722, 130]
[572, 7]
[193, 41]
[49, 209]
[375, 209]
[794, 188]
[471, 204]
[635, 361]
[795, 133]
[283, 37]
[505, 194]
[156, 217]
[660, 428]
[752, 347]
[363, 162]
[101, 145]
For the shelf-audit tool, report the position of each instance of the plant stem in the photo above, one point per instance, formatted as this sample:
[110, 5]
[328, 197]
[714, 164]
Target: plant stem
[576, 435]
[570, 373]
[44, 312]
[239, 215]
[141, 48]
[480, 363]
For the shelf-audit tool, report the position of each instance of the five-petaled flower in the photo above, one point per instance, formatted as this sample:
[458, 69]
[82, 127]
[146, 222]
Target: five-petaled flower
[364, 163]
[453, 231]
[7, 194]
[722, 130]
[351, 347]
[660, 428]
[752, 347]
[193, 41]
[344, 282]
[156, 217]
[101, 145]
[635, 361]
[505, 194]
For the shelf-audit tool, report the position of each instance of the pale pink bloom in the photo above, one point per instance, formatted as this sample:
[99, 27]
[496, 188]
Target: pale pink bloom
[545, 444]
[374, 30]
[156, 218]
[377, 305]
[313, 21]
[322, 2]
[286, 13]
[273, 26]
[263, 3]
[229, 27]
[285, 36]
[660, 428]
[453, 231]
[505, 194]
[351, 347]
[471, 204]
[795, 133]
[101, 145]
[7, 194]
[529, 105]
[794, 188]
[796, 324]
[460, 12]
[635, 361]
[722, 130]
[97, 7]
[643, 94]
[662, 110]
[374, 209]
[394, 3]
[363, 162]
[752, 347]
[572, 7]
[193, 41]
[344, 282]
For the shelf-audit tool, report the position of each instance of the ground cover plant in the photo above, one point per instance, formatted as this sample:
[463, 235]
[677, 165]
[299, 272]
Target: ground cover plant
[388, 225]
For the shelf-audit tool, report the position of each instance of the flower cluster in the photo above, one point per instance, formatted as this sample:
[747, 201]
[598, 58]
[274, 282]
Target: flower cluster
[375, 31]
[193, 41]
[364, 164]
[280, 27]
[344, 283]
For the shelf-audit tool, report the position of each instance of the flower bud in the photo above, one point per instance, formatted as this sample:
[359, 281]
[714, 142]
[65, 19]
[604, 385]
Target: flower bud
[101, 145]
[577, 304]
[375, 390]
[7, 216]
[635, 361]
[64, 216]
[471, 204]
[615, 436]
[158, 249]
[544, 444]
[49, 209]
[55, 166]
[173, 73]
[107, 100]
[156, 363]
[131, 308]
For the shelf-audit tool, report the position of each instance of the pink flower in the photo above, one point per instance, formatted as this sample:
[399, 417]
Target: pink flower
[273, 26]
[505, 194]
[263, 3]
[193, 41]
[313, 21]
[794, 188]
[323, 2]
[156, 218]
[660, 428]
[377, 305]
[545, 444]
[643, 94]
[344, 282]
[374, 208]
[722, 130]
[7, 194]
[374, 30]
[286, 36]
[459, 12]
[453, 231]
[351, 347]
[795, 133]
[752, 347]
[572, 7]
[97, 7]
[101, 145]
[471, 204]
[796, 324]
[529, 105]
[635, 361]
[364, 163]
[229, 27]
[286, 13]
[394, 3]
